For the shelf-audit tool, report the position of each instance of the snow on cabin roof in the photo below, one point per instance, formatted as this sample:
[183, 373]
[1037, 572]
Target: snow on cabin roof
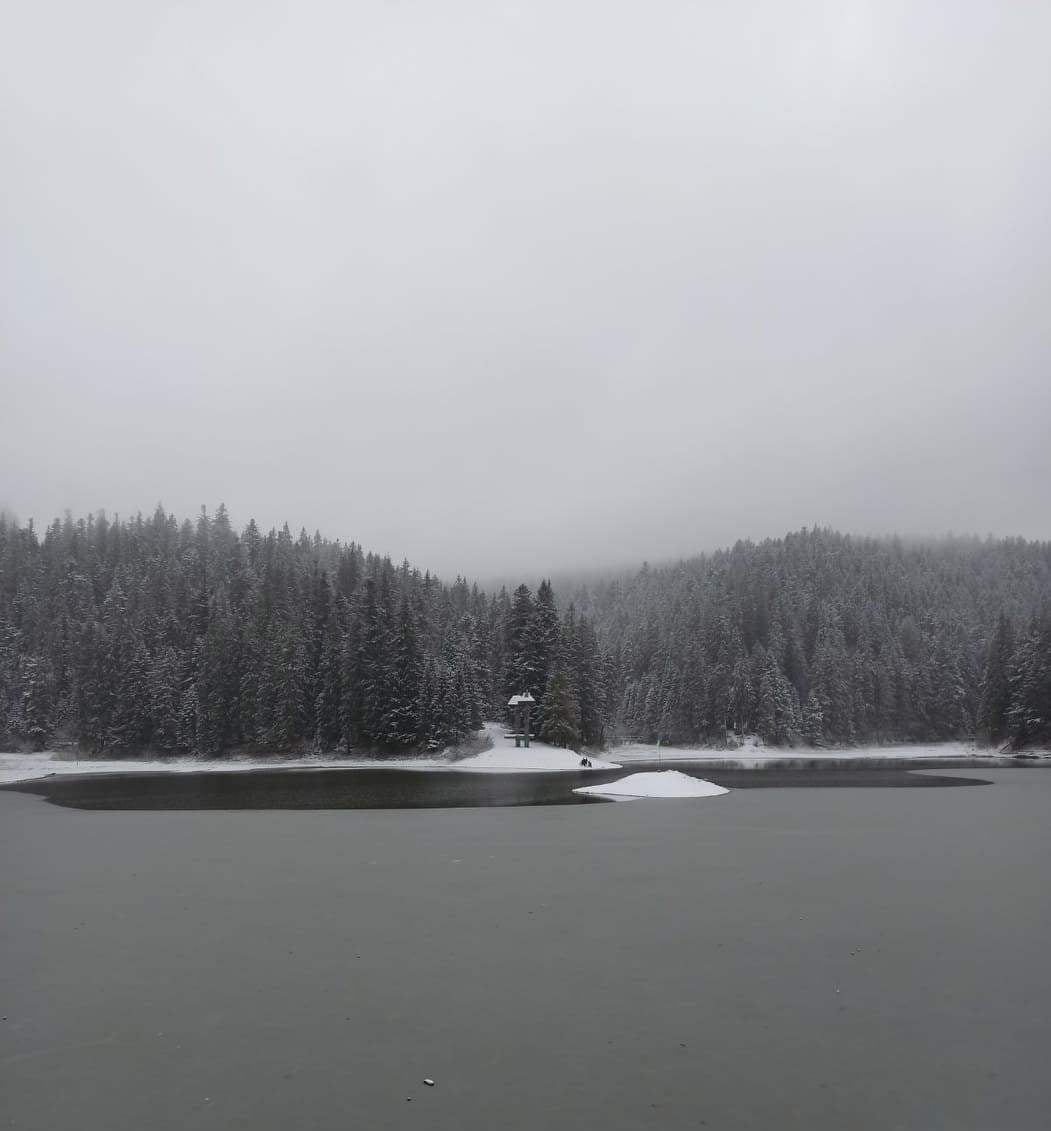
[516, 699]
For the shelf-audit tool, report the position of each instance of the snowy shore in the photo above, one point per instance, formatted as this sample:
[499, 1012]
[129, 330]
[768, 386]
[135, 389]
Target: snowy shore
[754, 753]
[502, 758]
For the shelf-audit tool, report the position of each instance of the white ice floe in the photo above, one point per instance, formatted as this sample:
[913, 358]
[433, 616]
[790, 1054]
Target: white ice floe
[663, 783]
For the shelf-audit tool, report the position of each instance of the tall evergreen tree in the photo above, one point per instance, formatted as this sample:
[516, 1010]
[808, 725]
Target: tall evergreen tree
[520, 670]
[561, 721]
[995, 703]
[1029, 716]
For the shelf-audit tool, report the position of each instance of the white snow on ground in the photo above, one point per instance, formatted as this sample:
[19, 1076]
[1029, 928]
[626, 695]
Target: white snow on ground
[502, 758]
[537, 757]
[664, 783]
[25, 767]
[756, 754]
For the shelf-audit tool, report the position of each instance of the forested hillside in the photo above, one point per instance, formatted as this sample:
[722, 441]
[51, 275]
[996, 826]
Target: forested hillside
[149, 634]
[827, 639]
[180, 638]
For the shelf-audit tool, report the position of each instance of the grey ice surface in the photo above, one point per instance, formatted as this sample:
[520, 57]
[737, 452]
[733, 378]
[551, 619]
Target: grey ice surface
[803, 958]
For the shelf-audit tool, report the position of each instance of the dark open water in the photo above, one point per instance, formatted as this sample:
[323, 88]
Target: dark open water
[410, 789]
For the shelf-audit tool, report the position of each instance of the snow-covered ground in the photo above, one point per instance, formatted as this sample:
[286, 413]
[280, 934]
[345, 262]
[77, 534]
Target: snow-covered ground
[753, 753]
[664, 783]
[504, 758]
[25, 767]
[501, 758]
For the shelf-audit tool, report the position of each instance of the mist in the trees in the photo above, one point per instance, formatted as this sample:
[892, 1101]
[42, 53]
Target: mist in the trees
[191, 638]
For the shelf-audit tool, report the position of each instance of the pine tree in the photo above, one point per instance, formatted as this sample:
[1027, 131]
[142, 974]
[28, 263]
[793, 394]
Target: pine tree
[830, 692]
[561, 721]
[946, 712]
[402, 725]
[163, 683]
[373, 667]
[133, 716]
[329, 684]
[34, 722]
[777, 707]
[218, 680]
[543, 640]
[995, 703]
[520, 671]
[1029, 716]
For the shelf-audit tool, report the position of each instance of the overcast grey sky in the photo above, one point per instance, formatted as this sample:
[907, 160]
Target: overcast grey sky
[524, 286]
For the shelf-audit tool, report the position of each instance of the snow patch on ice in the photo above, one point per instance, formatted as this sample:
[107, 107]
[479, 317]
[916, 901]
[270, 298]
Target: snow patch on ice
[663, 783]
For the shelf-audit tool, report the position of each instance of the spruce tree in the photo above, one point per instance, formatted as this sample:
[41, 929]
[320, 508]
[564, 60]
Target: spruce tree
[1029, 716]
[402, 726]
[520, 670]
[995, 703]
[561, 725]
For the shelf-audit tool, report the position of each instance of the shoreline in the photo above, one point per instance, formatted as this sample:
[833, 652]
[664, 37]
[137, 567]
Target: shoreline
[20, 768]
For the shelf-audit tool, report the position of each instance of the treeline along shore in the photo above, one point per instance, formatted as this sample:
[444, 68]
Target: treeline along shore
[152, 635]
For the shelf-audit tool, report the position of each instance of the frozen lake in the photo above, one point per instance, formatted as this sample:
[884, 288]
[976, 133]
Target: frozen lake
[789, 958]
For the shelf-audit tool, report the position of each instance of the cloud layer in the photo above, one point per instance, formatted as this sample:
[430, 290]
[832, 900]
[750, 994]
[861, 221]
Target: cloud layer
[505, 287]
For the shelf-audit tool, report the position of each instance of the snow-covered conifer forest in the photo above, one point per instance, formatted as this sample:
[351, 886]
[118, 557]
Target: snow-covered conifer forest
[154, 635]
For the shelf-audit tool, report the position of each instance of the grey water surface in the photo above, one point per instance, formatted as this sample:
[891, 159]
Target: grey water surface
[773, 958]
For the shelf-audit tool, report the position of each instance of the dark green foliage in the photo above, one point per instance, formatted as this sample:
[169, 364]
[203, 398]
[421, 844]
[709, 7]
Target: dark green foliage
[561, 720]
[995, 703]
[830, 639]
[521, 672]
[543, 640]
[585, 668]
[402, 724]
[33, 719]
[1029, 715]
[180, 638]
[191, 638]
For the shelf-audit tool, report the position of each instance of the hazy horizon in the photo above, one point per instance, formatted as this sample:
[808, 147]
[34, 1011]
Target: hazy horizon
[510, 291]
[561, 576]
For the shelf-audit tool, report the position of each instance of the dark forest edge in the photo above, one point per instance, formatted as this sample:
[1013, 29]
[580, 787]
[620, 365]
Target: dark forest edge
[150, 636]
